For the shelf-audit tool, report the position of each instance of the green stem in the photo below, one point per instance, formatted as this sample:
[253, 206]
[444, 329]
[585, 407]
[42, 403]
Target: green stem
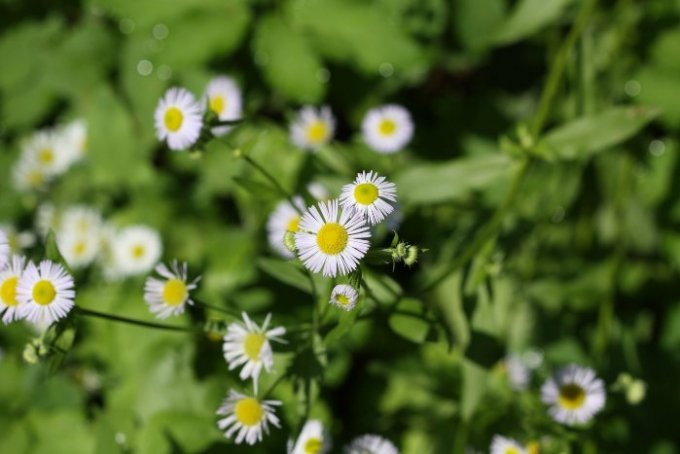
[273, 386]
[131, 321]
[552, 83]
[232, 312]
[273, 181]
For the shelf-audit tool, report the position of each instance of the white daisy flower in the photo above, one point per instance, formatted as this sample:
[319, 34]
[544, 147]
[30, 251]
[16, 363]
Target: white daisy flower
[45, 218]
[28, 175]
[247, 417]
[371, 444]
[371, 195]
[168, 296]
[284, 219]
[312, 440]
[574, 395]
[81, 219]
[79, 249]
[135, 250]
[344, 296]
[4, 248]
[224, 99]
[387, 129]
[9, 278]
[48, 152]
[332, 240]
[519, 374]
[74, 136]
[504, 445]
[45, 292]
[312, 128]
[179, 119]
[248, 345]
[318, 191]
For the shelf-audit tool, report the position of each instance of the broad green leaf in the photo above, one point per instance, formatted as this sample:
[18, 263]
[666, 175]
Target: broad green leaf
[588, 135]
[529, 17]
[410, 327]
[288, 61]
[476, 21]
[433, 183]
[286, 272]
[473, 388]
[345, 322]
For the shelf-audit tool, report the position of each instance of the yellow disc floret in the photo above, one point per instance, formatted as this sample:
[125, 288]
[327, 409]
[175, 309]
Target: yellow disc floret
[217, 104]
[365, 193]
[46, 156]
[252, 345]
[138, 251]
[332, 238]
[248, 411]
[293, 224]
[572, 396]
[313, 446]
[175, 292]
[173, 119]
[44, 292]
[317, 132]
[387, 127]
[8, 291]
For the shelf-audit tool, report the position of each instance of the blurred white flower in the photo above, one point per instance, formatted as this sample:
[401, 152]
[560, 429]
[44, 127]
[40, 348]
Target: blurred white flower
[74, 137]
[224, 99]
[4, 248]
[313, 439]
[318, 191]
[47, 150]
[283, 219]
[371, 444]
[133, 250]
[388, 128]
[504, 445]
[312, 127]
[9, 278]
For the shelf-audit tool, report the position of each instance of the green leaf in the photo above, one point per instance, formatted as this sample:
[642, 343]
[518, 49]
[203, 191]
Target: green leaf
[286, 272]
[473, 388]
[290, 65]
[529, 17]
[410, 327]
[476, 21]
[345, 322]
[588, 135]
[433, 183]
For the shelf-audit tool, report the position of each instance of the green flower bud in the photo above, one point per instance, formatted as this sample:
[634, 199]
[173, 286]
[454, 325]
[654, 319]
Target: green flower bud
[289, 241]
[411, 255]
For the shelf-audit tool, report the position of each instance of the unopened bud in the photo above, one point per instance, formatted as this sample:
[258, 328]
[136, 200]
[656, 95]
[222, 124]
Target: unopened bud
[289, 241]
[411, 256]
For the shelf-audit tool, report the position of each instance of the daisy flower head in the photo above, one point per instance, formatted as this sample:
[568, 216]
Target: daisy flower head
[48, 152]
[248, 345]
[246, 417]
[168, 296]
[135, 250]
[574, 395]
[45, 292]
[387, 129]
[28, 175]
[371, 444]
[74, 136]
[284, 218]
[9, 278]
[332, 240]
[4, 248]
[312, 127]
[81, 219]
[224, 100]
[371, 195]
[179, 119]
[313, 439]
[504, 445]
[344, 296]
[78, 248]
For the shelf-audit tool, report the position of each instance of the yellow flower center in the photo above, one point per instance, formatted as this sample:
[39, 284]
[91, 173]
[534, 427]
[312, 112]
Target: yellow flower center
[138, 251]
[79, 248]
[365, 193]
[533, 447]
[46, 156]
[8, 291]
[342, 299]
[387, 127]
[317, 132]
[217, 104]
[293, 224]
[572, 396]
[175, 292]
[44, 292]
[511, 450]
[35, 178]
[248, 411]
[173, 119]
[313, 446]
[332, 238]
[253, 344]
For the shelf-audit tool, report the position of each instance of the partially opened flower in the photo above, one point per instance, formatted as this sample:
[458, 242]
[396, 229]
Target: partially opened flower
[312, 128]
[248, 345]
[9, 278]
[4, 249]
[504, 445]
[332, 240]
[387, 129]
[371, 195]
[574, 395]
[284, 218]
[313, 439]
[224, 100]
[344, 296]
[371, 444]
[169, 295]
[134, 250]
[45, 292]
[246, 417]
[179, 119]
